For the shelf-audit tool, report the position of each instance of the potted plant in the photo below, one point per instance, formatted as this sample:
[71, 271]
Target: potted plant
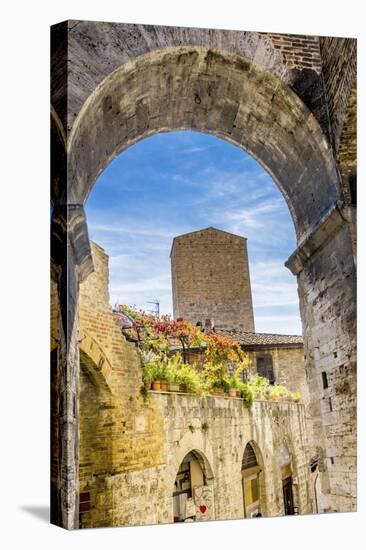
[188, 379]
[260, 387]
[147, 375]
[234, 383]
[156, 385]
[162, 375]
[246, 394]
[172, 374]
[279, 393]
[156, 372]
[220, 385]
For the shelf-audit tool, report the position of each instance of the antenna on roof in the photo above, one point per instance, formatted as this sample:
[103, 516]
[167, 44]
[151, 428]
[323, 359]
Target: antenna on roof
[156, 309]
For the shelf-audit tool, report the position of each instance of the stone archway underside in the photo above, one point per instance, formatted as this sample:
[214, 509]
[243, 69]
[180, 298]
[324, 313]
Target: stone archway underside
[214, 92]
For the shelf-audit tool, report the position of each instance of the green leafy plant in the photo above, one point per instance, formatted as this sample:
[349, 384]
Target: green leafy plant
[246, 393]
[259, 386]
[221, 382]
[188, 377]
[234, 381]
[279, 392]
[155, 370]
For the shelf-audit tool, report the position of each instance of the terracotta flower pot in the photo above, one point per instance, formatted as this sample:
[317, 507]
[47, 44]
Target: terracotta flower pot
[164, 385]
[173, 387]
[156, 385]
[233, 392]
[217, 391]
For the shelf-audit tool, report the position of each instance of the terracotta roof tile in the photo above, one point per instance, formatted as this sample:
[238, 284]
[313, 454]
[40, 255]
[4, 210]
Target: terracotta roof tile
[262, 338]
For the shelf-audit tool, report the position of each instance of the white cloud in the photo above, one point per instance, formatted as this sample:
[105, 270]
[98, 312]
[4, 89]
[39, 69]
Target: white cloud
[131, 229]
[278, 324]
[252, 216]
[192, 150]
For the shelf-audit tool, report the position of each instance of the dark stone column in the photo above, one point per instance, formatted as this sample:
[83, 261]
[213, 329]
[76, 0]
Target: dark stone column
[71, 263]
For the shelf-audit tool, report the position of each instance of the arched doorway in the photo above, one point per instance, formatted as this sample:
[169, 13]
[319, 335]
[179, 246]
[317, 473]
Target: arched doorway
[287, 482]
[95, 437]
[250, 472]
[192, 497]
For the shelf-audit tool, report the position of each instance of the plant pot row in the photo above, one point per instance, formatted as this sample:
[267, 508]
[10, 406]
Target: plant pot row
[233, 392]
[162, 385]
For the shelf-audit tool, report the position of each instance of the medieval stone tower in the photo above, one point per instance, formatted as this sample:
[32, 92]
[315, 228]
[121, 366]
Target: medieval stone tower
[210, 279]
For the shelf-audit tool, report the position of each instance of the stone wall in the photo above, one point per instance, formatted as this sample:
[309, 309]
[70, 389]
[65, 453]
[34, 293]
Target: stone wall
[327, 305]
[210, 279]
[218, 428]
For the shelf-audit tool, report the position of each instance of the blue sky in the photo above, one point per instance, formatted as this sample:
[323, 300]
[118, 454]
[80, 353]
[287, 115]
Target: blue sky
[178, 182]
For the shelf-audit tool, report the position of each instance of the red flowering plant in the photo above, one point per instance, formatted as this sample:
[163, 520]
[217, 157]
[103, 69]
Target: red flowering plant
[159, 338]
[223, 353]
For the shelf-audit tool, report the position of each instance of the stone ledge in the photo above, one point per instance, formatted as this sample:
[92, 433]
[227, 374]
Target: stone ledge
[330, 224]
[225, 398]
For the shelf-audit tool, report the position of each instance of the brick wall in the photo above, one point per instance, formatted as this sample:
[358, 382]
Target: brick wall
[109, 401]
[297, 51]
[339, 70]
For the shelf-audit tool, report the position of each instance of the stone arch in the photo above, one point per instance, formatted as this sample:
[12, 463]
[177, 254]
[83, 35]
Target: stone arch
[191, 442]
[215, 92]
[96, 420]
[286, 441]
[288, 467]
[87, 45]
[289, 144]
[193, 482]
[261, 475]
[95, 361]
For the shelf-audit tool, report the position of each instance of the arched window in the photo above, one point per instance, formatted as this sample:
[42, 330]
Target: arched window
[250, 471]
[190, 477]
[286, 475]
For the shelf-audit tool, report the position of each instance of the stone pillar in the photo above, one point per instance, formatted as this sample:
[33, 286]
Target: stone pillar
[325, 268]
[71, 263]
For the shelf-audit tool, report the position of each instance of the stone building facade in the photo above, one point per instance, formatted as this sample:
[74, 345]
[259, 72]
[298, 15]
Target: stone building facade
[210, 279]
[279, 357]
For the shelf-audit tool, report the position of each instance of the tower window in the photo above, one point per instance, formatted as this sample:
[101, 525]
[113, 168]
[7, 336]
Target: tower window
[325, 380]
